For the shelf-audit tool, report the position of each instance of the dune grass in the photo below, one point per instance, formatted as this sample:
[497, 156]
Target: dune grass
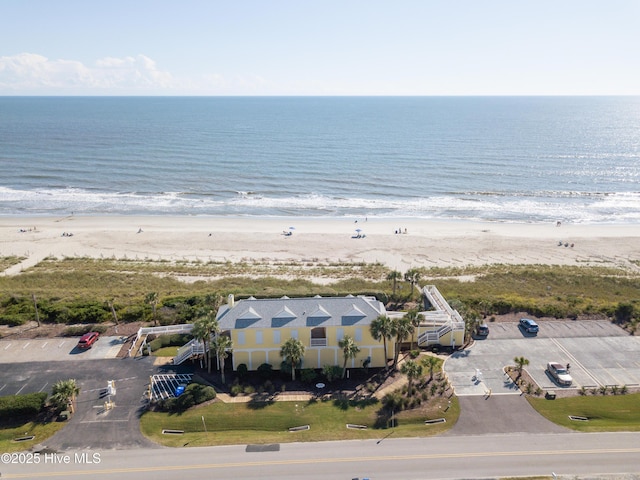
[613, 413]
[269, 422]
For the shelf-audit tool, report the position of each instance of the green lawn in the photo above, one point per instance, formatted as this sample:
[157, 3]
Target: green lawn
[262, 423]
[166, 352]
[611, 413]
[42, 431]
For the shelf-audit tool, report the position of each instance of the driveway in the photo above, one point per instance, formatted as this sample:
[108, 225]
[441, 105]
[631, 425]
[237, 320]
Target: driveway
[600, 353]
[500, 414]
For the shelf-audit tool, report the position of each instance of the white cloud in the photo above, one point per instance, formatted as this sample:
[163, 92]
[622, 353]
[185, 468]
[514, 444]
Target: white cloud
[33, 73]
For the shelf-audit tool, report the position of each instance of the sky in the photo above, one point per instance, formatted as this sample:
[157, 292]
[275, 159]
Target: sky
[313, 47]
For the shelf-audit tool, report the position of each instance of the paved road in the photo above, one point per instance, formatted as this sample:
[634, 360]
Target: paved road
[572, 456]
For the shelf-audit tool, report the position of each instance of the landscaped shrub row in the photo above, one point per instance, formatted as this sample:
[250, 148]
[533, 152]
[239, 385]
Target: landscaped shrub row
[175, 340]
[79, 330]
[194, 394]
[22, 405]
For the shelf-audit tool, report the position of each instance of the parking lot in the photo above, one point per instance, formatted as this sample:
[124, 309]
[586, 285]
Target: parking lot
[57, 349]
[164, 385]
[600, 354]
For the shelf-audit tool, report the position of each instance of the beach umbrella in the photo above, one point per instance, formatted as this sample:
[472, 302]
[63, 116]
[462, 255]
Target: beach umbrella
[292, 228]
[358, 230]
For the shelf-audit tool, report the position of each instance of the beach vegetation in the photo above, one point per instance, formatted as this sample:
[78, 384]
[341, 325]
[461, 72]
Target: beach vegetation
[91, 291]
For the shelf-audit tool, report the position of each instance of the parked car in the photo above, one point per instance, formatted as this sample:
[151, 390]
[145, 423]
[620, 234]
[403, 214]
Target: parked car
[559, 373]
[88, 339]
[529, 325]
[482, 330]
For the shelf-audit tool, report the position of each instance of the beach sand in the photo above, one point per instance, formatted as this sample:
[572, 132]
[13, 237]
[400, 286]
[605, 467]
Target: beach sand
[426, 243]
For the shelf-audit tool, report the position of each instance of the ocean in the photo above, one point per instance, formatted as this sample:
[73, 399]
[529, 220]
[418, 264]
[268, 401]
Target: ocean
[500, 159]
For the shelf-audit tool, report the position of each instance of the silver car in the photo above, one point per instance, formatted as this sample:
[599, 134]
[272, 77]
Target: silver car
[559, 373]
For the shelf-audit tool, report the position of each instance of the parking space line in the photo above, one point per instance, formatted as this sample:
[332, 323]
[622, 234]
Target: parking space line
[8, 345]
[43, 387]
[44, 345]
[62, 343]
[574, 360]
[26, 345]
[2, 387]
[21, 388]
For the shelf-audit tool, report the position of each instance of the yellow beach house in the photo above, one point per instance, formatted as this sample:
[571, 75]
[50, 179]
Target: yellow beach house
[259, 327]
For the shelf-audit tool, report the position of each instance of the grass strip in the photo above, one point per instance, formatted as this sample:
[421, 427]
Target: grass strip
[615, 413]
[268, 422]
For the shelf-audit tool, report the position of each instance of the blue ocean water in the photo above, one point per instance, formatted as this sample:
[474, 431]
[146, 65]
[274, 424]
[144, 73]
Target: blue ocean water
[507, 159]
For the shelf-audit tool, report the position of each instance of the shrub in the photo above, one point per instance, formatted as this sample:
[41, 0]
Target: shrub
[22, 405]
[249, 389]
[201, 393]
[194, 394]
[265, 371]
[236, 390]
[79, 330]
[308, 375]
[175, 340]
[332, 372]
[242, 371]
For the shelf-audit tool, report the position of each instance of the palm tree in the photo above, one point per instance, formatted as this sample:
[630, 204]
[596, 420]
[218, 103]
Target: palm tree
[413, 277]
[415, 317]
[394, 276]
[152, 299]
[221, 345]
[204, 328]
[63, 394]
[113, 311]
[521, 362]
[292, 352]
[349, 350]
[402, 330]
[413, 371]
[431, 363]
[382, 329]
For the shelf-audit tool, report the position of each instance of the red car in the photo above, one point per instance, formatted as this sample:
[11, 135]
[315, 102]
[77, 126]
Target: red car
[88, 339]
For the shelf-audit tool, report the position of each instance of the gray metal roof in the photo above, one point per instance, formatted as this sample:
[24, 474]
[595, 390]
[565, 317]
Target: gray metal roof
[300, 312]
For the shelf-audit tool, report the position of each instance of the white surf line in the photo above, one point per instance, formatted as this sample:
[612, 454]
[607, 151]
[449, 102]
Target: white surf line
[574, 360]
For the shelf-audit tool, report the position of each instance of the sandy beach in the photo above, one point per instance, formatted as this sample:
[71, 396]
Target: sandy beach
[426, 243]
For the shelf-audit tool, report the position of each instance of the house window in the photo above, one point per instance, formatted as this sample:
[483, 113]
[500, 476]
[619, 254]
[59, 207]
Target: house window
[358, 335]
[240, 338]
[318, 337]
[340, 335]
[258, 337]
[294, 334]
[276, 337]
